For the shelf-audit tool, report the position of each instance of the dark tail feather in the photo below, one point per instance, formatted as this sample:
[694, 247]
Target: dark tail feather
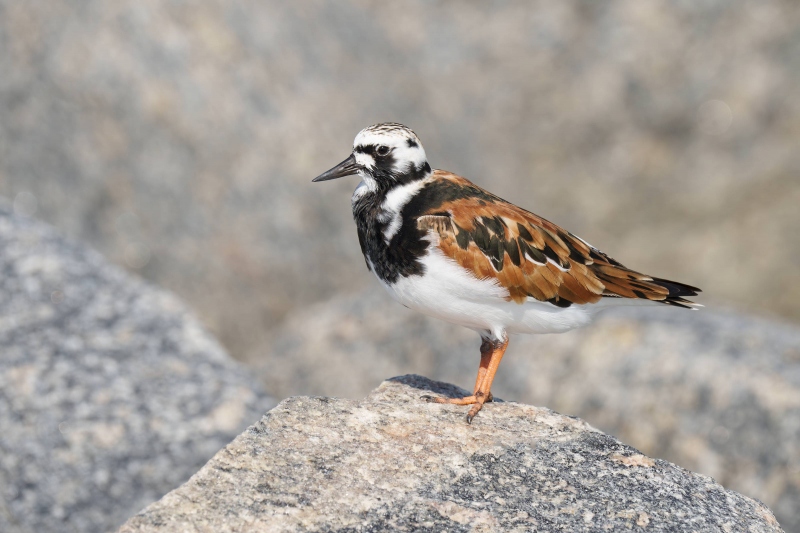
[675, 288]
[676, 292]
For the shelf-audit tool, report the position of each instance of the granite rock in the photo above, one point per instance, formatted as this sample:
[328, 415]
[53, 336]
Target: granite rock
[392, 462]
[715, 392]
[111, 394]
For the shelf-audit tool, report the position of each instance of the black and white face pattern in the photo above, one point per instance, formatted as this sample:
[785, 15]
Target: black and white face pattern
[388, 155]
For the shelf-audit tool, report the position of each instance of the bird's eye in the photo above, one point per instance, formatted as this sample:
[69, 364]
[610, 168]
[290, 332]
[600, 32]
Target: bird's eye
[382, 150]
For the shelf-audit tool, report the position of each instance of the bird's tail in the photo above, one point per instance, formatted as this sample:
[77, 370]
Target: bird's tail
[677, 291]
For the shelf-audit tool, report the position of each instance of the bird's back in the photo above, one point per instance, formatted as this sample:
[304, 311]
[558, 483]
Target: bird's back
[531, 257]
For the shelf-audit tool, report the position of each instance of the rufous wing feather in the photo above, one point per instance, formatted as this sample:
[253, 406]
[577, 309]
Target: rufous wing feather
[532, 257]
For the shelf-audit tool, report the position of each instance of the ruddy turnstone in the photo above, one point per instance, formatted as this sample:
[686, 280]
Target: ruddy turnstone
[445, 247]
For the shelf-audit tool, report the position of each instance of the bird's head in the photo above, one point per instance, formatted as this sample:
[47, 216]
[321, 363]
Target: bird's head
[384, 155]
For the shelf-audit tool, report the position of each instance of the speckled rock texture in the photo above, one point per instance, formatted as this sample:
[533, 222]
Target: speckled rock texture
[111, 394]
[715, 392]
[392, 462]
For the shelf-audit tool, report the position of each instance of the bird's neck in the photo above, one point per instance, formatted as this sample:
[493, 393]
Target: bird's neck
[381, 193]
[382, 232]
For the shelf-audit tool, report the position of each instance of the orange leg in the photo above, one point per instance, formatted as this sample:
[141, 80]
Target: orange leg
[486, 355]
[491, 354]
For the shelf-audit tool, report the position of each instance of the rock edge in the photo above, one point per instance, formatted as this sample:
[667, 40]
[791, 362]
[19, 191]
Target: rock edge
[394, 462]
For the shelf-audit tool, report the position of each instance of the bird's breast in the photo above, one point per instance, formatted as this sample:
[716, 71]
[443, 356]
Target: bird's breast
[388, 258]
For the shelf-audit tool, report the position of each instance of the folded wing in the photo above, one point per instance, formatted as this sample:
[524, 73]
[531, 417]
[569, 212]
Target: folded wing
[534, 258]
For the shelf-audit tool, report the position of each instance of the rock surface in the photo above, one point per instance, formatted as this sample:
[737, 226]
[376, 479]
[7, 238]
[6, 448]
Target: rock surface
[392, 462]
[111, 394]
[717, 393]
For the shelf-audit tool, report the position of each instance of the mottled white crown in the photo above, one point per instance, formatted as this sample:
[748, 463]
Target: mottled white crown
[390, 128]
[405, 147]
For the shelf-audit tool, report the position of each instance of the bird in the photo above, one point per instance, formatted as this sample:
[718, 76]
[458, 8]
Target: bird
[443, 246]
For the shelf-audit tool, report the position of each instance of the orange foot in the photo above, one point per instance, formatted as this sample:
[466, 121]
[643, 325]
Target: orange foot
[491, 354]
[476, 401]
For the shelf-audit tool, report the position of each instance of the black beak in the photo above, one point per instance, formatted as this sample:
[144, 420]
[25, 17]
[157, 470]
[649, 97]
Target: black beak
[348, 167]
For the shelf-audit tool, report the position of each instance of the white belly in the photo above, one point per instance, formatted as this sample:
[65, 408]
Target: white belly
[450, 293]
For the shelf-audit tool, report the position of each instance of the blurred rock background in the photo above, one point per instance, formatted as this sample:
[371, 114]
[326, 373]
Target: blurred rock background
[179, 140]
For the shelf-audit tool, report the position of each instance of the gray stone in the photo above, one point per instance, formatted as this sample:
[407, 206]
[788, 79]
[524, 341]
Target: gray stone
[111, 393]
[392, 462]
[715, 392]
